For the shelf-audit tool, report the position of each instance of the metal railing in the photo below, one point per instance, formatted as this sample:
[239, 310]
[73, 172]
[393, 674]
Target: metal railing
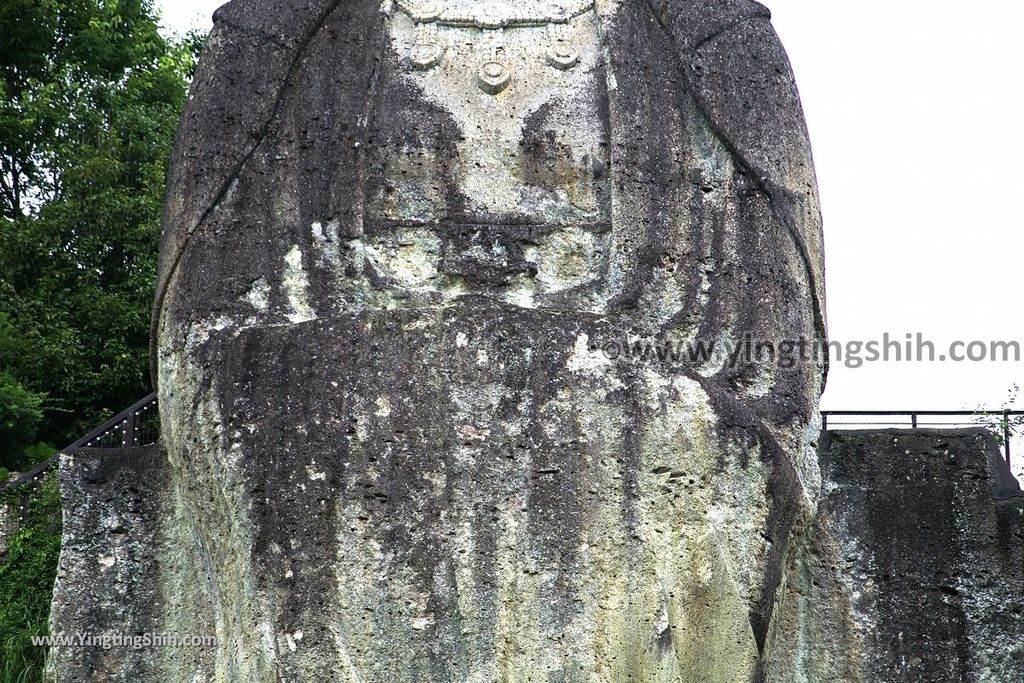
[922, 419]
[135, 427]
[139, 426]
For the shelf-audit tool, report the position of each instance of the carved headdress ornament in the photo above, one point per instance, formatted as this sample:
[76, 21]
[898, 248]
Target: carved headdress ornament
[495, 71]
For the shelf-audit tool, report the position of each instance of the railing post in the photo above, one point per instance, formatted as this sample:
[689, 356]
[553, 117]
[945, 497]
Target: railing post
[1006, 437]
[824, 422]
[130, 431]
[23, 511]
[913, 421]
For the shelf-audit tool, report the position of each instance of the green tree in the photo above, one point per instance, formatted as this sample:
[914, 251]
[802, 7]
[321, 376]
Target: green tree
[90, 97]
[20, 415]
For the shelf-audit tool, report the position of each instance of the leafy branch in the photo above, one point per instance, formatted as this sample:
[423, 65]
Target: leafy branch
[1007, 423]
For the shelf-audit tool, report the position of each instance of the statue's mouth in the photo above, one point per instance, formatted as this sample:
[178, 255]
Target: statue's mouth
[488, 255]
[545, 258]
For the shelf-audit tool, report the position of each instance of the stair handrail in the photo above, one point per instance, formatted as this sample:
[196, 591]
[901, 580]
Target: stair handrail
[124, 416]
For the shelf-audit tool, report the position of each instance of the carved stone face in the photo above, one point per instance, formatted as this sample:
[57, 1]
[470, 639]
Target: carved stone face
[381, 365]
[520, 135]
[491, 81]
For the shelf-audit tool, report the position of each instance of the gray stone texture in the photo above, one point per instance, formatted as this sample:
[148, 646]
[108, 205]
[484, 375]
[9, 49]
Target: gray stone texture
[928, 534]
[396, 450]
[911, 573]
[106, 579]
[9, 523]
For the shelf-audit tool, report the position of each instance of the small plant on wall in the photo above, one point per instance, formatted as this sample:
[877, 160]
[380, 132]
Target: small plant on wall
[1007, 425]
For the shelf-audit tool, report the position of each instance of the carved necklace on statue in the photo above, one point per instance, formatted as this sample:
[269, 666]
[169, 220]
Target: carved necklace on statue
[494, 70]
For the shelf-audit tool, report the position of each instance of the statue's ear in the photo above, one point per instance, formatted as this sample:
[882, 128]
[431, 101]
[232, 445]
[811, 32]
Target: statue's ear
[736, 69]
[693, 22]
[234, 92]
[237, 90]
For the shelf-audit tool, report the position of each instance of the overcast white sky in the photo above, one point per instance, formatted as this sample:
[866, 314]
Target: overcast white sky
[914, 109]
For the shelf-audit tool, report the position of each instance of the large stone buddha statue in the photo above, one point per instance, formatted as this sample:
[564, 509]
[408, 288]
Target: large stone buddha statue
[401, 240]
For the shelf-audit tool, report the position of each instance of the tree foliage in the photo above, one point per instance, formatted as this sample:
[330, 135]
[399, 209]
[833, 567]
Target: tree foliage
[27, 575]
[90, 97]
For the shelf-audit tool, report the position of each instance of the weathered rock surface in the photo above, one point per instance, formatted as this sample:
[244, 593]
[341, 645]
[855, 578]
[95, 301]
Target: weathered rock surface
[925, 532]
[114, 509]
[399, 241]
[911, 573]
[10, 514]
